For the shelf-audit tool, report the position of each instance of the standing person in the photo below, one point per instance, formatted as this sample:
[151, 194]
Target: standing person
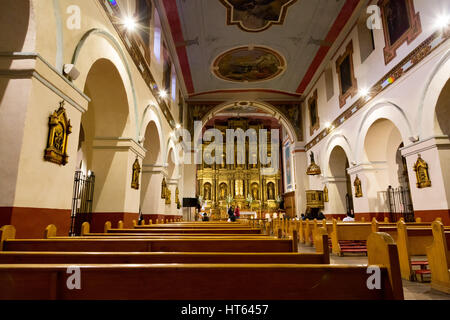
[237, 212]
[231, 217]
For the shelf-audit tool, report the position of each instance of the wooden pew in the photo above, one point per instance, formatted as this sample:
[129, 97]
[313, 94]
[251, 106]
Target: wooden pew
[8, 243]
[412, 242]
[439, 258]
[208, 281]
[349, 231]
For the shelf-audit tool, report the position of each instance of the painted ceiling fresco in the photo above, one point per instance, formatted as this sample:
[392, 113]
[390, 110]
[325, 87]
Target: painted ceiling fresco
[256, 15]
[249, 64]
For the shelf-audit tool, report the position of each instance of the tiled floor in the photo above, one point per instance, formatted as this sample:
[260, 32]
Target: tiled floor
[412, 290]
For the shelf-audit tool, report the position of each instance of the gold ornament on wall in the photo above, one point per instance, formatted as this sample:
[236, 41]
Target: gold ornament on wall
[163, 188]
[59, 130]
[168, 194]
[421, 169]
[358, 187]
[325, 194]
[313, 169]
[136, 174]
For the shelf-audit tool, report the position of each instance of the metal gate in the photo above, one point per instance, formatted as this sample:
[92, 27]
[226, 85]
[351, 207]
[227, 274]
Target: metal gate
[400, 204]
[83, 194]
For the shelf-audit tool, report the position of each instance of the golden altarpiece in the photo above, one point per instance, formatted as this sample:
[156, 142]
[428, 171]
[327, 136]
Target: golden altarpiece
[218, 183]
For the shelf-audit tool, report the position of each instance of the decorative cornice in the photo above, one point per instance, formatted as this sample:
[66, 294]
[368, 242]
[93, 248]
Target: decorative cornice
[407, 64]
[135, 53]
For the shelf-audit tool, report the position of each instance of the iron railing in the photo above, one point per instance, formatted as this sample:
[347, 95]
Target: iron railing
[400, 204]
[83, 195]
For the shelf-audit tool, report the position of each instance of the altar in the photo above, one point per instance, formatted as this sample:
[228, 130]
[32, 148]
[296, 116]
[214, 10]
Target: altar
[248, 215]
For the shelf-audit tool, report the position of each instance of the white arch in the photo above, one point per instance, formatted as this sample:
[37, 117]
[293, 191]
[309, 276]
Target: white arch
[382, 110]
[129, 85]
[171, 146]
[270, 109]
[426, 113]
[337, 140]
[151, 113]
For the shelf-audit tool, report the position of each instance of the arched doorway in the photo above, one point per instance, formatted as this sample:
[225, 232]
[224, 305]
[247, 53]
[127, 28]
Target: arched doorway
[151, 174]
[102, 150]
[340, 200]
[387, 187]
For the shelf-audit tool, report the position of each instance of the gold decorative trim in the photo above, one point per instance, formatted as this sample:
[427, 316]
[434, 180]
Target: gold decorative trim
[422, 175]
[59, 130]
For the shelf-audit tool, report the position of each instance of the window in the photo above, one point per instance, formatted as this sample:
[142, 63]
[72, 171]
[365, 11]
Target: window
[366, 39]
[157, 38]
[400, 24]
[347, 82]
[329, 83]
[313, 113]
[174, 85]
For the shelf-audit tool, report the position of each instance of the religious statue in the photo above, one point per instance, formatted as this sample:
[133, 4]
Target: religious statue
[313, 168]
[163, 188]
[358, 188]
[270, 191]
[135, 175]
[223, 191]
[168, 194]
[255, 191]
[422, 176]
[207, 191]
[325, 194]
[239, 188]
[59, 130]
[177, 198]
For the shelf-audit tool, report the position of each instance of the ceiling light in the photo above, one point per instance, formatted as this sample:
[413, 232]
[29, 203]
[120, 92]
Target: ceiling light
[442, 22]
[129, 23]
[327, 125]
[163, 94]
[364, 92]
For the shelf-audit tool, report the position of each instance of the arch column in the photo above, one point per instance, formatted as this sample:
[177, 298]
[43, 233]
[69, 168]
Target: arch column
[114, 199]
[432, 202]
[373, 203]
[301, 181]
[152, 206]
[336, 199]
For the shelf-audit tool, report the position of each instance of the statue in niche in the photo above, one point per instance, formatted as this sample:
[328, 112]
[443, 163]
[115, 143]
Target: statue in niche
[270, 191]
[358, 187]
[177, 198]
[59, 130]
[239, 188]
[325, 194]
[422, 175]
[168, 195]
[223, 164]
[207, 191]
[163, 188]
[223, 191]
[255, 191]
[136, 174]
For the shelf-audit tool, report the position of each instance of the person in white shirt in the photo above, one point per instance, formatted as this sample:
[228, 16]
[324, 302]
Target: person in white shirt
[348, 218]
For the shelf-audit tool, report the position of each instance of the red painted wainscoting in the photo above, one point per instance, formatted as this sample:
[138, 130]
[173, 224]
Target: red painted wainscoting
[31, 222]
[99, 219]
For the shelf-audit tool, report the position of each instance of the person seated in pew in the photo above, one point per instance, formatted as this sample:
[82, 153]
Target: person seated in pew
[303, 217]
[205, 217]
[321, 216]
[348, 218]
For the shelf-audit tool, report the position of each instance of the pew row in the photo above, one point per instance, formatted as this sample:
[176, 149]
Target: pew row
[350, 237]
[439, 258]
[74, 244]
[209, 281]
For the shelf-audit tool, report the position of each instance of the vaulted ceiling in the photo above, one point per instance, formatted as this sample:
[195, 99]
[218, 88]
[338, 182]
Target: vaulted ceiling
[276, 45]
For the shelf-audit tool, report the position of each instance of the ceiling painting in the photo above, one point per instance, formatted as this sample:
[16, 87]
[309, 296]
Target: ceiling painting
[249, 64]
[256, 15]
